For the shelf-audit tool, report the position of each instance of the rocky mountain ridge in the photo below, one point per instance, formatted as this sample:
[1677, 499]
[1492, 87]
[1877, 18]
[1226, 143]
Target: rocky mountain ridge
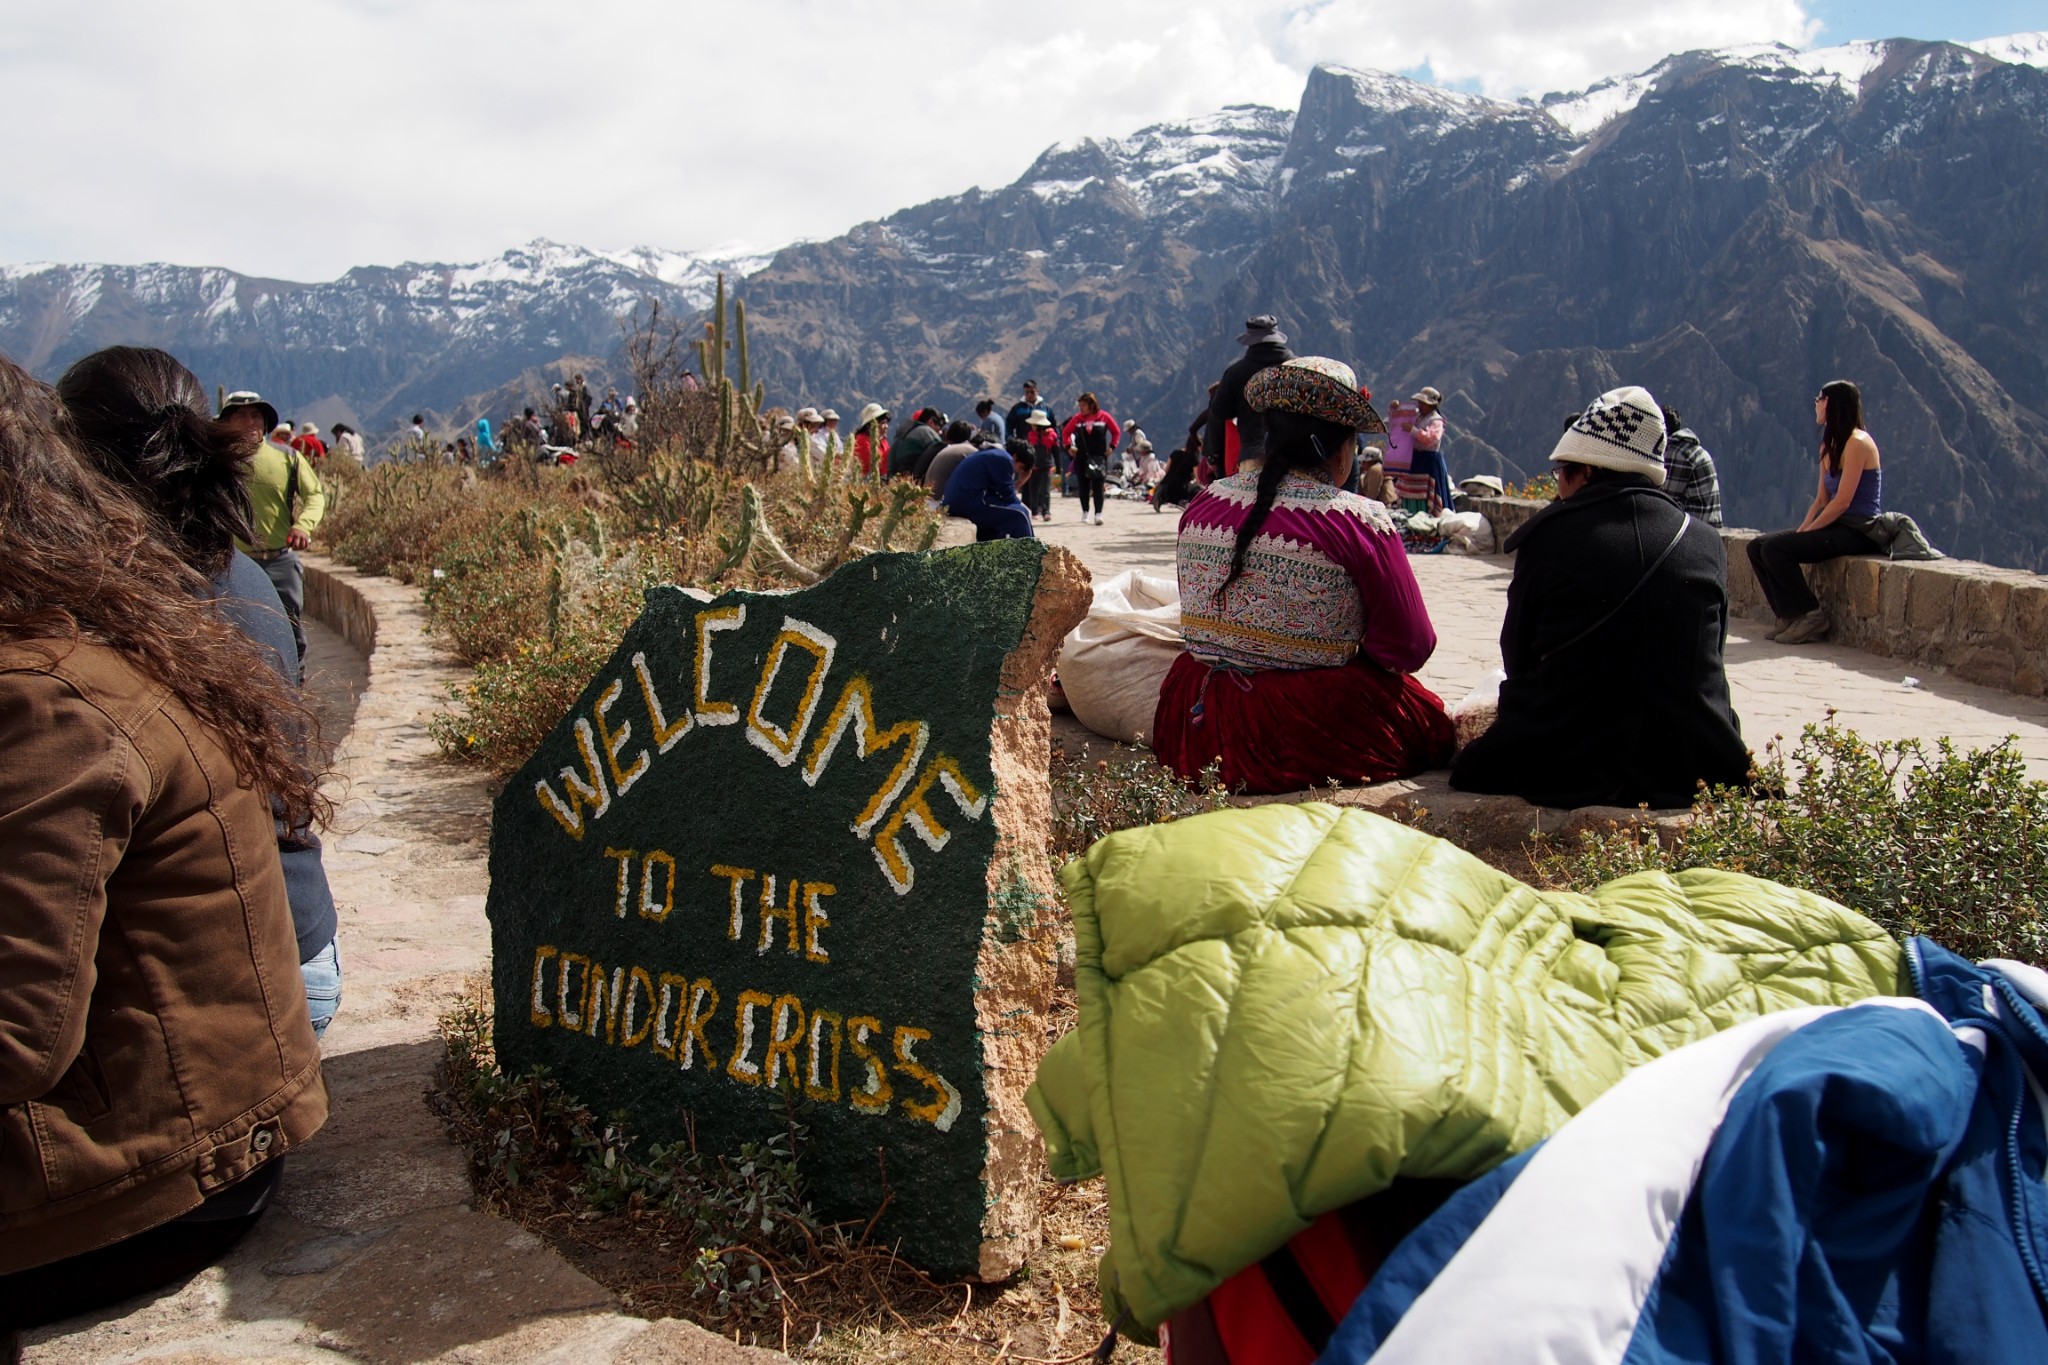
[371, 347]
[1730, 228]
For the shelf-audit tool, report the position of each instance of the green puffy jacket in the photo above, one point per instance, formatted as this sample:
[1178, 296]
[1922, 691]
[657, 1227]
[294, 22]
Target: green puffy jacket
[1284, 1008]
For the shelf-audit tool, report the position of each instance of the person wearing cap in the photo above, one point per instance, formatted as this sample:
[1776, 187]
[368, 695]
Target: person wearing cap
[286, 503]
[1617, 616]
[828, 431]
[871, 440]
[1415, 468]
[1303, 620]
[1043, 440]
[308, 442]
[1234, 427]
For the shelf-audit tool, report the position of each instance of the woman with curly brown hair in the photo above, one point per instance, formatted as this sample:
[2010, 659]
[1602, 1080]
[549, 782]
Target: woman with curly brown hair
[140, 417]
[156, 1058]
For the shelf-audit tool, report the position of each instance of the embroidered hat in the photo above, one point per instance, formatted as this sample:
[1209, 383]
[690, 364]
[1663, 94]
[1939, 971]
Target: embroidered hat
[1264, 327]
[1314, 386]
[1621, 429]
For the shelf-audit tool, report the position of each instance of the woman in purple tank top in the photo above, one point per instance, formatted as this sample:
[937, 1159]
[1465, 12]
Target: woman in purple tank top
[1847, 498]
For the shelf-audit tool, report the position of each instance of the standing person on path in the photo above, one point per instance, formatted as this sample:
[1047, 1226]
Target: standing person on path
[1234, 427]
[154, 1064]
[140, 419]
[1690, 479]
[1847, 500]
[1302, 616]
[286, 503]
[1429, 445]
[1051, 458]
[1091, 434]
[1044, 442]
[1616, 691]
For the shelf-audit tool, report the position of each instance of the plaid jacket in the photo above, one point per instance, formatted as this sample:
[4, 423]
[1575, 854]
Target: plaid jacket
[1689, 477]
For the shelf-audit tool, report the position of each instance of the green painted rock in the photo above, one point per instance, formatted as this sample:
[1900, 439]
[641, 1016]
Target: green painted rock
[786, 855]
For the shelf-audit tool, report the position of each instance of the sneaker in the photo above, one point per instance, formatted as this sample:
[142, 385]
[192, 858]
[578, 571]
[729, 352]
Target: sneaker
[1808, 629]
[1784, 623]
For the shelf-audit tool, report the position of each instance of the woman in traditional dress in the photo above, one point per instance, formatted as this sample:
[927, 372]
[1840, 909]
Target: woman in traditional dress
[1302, 618]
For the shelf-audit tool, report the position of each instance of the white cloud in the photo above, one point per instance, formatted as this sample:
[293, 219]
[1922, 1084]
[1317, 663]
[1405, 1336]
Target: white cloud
[299, 138]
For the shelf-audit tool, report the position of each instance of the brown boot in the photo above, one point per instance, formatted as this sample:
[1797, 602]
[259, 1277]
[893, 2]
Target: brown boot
[1808, 629]
[1784, 623]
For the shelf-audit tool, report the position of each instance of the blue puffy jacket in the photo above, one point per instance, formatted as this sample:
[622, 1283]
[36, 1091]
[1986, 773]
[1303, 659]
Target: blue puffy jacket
[1852, 1185]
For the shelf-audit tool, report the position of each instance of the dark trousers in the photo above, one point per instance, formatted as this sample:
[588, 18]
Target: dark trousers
[1038, 493]
[1007, 521]
[1777, 558]
[288, 576]
[1091, 484]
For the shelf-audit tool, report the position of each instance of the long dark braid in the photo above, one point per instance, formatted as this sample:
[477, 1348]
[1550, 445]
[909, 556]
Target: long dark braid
[1293, 443]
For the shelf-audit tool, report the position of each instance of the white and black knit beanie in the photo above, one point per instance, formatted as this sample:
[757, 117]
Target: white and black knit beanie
[1621, 429]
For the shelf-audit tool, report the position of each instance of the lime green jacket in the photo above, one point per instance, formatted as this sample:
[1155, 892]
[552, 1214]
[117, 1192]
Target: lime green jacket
[1284, 1008]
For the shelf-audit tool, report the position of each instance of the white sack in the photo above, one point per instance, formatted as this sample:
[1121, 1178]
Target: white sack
[1113, 663]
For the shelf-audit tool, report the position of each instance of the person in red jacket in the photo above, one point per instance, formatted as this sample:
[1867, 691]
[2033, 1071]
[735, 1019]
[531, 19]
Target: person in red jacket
[1091, 434]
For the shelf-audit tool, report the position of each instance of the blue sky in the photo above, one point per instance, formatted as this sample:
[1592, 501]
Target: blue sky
[1959, 21]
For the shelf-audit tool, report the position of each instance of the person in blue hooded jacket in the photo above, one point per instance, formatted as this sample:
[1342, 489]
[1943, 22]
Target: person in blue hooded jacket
[983, 490]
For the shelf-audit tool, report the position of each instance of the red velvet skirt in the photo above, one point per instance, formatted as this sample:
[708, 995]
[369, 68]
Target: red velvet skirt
[1280, 730]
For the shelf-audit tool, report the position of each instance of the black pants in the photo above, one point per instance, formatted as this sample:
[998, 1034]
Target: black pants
[1777, 557]
[1092, 481]
[137, 1265]
[1038, 493]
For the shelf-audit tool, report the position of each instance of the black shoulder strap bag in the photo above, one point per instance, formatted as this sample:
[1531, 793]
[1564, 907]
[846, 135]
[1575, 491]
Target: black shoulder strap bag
[1615, 610]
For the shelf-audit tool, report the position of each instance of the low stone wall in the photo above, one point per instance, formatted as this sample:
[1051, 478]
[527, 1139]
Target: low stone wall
[1981, 623]
[333, 601]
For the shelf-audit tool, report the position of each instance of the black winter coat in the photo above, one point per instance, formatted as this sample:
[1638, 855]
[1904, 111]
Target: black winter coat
[1228, 401]
[1637, 712]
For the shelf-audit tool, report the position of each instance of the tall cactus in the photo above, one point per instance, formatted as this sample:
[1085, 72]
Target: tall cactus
[739, 317]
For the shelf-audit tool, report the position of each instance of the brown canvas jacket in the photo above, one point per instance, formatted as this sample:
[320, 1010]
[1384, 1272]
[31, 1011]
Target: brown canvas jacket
[154, 1040]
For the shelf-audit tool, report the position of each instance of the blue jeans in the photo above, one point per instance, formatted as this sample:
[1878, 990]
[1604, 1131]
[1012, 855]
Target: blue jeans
[323, 986]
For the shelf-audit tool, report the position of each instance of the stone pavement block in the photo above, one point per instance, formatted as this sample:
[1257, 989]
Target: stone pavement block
[1985, 602]
[444, 1279]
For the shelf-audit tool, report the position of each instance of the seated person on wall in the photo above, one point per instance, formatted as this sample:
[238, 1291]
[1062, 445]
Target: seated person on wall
[983, 490]
[156, 1057]
[1302, 617]
[1616, 618]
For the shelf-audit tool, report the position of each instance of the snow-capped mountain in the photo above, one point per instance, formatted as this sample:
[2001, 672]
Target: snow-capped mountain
[369, 348]
[1729, 227]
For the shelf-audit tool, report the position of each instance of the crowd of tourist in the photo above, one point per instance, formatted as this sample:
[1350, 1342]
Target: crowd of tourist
[159, 811]
[1304, 625]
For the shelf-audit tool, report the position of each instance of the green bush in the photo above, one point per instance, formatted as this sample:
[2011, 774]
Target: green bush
[1127, 789]
[1923, 841]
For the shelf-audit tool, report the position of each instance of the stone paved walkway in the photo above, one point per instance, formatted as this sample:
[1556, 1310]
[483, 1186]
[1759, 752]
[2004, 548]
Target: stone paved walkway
[373, 1252]
[1777, 689]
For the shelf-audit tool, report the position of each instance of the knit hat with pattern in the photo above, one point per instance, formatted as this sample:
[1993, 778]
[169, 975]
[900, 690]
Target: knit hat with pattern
[1314, 386]
[1621, 429]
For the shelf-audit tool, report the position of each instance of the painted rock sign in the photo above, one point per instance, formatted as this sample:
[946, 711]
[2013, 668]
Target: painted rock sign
[785, 857]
